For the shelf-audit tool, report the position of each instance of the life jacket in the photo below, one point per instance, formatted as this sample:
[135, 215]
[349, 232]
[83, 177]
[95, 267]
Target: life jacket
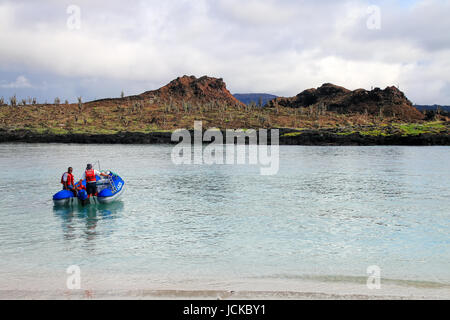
[69, 179]
[90, 176]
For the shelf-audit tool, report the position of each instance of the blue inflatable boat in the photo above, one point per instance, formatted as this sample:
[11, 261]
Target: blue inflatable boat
[109, 189]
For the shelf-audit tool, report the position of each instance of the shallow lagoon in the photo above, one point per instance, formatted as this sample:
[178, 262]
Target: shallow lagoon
[328, 214]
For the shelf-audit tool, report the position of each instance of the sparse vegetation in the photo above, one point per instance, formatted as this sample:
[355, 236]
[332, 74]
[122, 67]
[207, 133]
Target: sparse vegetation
[80, 105]
[142, 116]
[13, 101]
[182, 102]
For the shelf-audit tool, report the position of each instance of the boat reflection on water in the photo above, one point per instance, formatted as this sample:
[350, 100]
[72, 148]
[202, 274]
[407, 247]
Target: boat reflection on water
[83, 221]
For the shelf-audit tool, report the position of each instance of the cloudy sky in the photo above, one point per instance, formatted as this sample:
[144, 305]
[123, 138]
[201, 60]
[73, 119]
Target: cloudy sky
[95, 49]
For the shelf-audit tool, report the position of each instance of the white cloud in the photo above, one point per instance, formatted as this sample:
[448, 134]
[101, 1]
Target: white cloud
[279, 47]
[20, 82]
[258, 12]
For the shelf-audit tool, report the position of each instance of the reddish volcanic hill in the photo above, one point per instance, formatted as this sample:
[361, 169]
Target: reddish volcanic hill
[185, 89]
[388, 102]
[194, 90]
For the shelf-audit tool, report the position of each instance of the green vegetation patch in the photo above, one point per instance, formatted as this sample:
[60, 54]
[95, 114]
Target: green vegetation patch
[346, 133]
[53, 131]
[374, 133]
[416, 129]
[292, 134]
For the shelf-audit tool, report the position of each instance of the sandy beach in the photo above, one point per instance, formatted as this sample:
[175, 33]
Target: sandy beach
[244, 289]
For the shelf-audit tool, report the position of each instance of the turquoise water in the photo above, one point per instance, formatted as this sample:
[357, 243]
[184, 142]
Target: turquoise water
[329, 212]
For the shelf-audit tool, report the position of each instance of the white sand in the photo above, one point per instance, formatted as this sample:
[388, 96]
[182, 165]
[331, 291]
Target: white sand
[121, 287]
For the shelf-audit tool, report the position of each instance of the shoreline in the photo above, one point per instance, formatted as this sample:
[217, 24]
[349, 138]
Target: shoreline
[218, 289]
[310, 137]
[196, 295]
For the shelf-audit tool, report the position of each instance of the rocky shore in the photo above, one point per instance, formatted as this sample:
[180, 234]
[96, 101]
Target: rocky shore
[324, 138]
[319, 137]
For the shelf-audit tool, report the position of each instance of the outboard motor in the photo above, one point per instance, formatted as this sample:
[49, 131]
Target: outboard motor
[82, 196]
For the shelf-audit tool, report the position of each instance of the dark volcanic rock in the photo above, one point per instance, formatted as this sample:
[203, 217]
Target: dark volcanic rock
[388, 102]
[307, 137]
[318, 138]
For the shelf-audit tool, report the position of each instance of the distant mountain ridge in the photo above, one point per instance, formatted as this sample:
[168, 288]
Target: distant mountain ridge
[248, 98]
[433, 107]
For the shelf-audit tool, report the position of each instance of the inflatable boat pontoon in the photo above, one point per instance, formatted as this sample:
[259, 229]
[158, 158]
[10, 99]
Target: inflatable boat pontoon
[109, 189]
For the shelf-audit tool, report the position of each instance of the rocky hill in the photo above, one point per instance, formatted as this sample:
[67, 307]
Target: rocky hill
[190, 89]
[186, 89]
[389, 102]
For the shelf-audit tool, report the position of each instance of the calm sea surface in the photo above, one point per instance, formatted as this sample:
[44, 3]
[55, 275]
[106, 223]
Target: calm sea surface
[329, 212]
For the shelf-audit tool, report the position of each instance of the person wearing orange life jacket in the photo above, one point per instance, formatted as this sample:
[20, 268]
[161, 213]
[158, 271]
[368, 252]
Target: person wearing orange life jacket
[68, 181]
[91, 180]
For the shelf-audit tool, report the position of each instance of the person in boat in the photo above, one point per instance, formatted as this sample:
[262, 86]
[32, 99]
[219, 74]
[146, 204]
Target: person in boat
[91, 180]
[68, 181]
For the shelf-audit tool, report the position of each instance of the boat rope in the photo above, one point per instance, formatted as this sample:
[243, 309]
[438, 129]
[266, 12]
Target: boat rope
[113, 185]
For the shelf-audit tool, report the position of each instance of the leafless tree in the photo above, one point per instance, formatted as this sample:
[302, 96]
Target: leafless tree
[13, 101]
